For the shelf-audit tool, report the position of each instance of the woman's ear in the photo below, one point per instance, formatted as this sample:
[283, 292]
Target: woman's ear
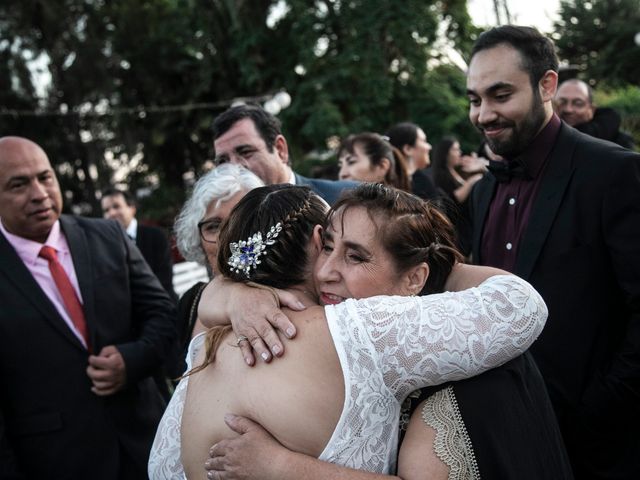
[316, 238]
[407, 150]
[416, 278]
[384, 166]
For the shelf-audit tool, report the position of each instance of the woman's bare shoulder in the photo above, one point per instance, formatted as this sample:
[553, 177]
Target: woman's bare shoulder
[309, 314]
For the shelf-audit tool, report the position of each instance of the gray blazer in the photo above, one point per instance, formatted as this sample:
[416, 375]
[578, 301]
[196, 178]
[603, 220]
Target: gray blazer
[330, 190]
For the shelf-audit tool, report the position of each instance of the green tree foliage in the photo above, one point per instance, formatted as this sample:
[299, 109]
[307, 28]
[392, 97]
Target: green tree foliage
[365, 65]
[598, 37]
[106, 59]
[626, 101]
[118, 67]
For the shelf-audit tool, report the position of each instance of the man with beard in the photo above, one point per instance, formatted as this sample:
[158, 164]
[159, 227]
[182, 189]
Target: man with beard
[563, 213]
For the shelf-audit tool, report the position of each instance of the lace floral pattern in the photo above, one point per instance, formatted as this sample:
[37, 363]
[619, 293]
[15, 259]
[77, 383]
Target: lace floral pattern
[452, 444]
[164, 461]
[391, 346]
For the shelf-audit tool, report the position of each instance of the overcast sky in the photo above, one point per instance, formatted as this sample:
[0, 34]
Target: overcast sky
[538, 13]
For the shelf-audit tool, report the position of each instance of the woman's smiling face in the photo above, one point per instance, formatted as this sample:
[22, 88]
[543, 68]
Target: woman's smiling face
[353, 262]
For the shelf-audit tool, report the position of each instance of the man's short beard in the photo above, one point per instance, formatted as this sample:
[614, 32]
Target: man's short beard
[521, 134]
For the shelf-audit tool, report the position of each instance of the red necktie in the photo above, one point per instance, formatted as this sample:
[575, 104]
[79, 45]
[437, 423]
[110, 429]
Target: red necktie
[67, 292]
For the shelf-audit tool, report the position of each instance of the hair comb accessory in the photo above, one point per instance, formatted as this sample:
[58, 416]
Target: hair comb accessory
[246, 254]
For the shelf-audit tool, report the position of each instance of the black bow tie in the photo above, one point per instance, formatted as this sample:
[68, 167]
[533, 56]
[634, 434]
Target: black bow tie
[506, 170]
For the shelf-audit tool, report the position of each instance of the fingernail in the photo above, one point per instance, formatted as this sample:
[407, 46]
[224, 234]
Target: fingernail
[210, 475]
[265, 356]
[290, 332]
[249, 361]
[301, 305]
[276, 349]
[229, 417]
[207, 464]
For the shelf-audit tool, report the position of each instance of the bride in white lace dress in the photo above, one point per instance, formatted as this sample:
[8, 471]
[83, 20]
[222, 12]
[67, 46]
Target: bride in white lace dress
[337, 393]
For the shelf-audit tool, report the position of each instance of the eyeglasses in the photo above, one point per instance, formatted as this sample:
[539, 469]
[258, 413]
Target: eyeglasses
[209, 230]
[575, 103]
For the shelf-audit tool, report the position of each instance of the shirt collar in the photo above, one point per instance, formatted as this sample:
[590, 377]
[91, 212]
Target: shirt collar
[132, 229]
[28, 250]
[535, 156]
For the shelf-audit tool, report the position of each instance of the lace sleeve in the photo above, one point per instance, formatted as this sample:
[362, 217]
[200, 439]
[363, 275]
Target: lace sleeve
[164, 460]
[420, 341]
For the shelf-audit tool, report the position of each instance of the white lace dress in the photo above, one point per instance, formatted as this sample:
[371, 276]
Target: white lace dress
[389, 347]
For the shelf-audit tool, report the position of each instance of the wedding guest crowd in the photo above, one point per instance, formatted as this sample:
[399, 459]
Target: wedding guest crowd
[93, 345]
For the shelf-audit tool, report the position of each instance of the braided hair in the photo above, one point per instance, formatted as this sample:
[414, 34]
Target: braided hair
[284, 263]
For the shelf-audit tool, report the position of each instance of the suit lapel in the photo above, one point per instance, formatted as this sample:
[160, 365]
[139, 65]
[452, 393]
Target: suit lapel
[484, 194]
[81, 256]
[557, 175]
[19, 275]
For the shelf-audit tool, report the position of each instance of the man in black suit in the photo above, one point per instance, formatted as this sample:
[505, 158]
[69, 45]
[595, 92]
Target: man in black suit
[151, 241]
[563, 212]
[249, 136]
[83, 324]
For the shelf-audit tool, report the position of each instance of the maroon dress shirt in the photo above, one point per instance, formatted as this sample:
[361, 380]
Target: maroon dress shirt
[511, 204]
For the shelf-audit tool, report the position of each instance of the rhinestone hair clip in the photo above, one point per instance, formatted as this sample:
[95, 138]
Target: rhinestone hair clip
[246, 254]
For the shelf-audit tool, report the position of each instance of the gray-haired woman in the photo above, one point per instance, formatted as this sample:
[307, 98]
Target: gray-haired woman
[196, 228]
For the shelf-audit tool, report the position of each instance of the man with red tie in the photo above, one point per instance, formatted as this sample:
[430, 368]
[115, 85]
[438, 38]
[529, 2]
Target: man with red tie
[83, 325]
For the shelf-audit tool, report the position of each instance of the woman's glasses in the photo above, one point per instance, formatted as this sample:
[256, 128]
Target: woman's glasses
[209, 230]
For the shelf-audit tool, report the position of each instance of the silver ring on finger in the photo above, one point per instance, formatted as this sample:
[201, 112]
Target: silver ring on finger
[241, 339]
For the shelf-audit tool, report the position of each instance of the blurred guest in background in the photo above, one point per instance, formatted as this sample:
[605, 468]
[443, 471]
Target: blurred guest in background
[574, 104]
[247, 135]
[411, 140]
[447, 159]
[369, 157]
[151, 241]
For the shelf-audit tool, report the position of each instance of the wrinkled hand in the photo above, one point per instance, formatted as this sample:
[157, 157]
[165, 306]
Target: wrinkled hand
[255, 454]
[254, 313]
[107, 371]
